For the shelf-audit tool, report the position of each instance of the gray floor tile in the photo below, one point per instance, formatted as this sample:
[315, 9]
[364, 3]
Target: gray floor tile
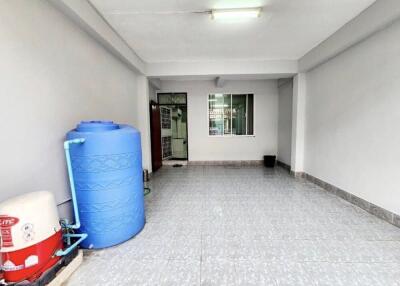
[216, 225]
[218, 272]
[181, 272]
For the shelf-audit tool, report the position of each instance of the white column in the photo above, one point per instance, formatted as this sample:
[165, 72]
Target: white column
[143, 116]
[298, 122]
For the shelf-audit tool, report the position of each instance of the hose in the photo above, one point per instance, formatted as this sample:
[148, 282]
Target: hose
[147, 191]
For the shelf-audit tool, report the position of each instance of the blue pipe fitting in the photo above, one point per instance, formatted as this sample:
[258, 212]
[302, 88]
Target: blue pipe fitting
[67, 144]
[81, 237]
[77, 224]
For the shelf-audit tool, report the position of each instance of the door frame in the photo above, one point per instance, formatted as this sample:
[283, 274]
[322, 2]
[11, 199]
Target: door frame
[164, 130]
[187, 113]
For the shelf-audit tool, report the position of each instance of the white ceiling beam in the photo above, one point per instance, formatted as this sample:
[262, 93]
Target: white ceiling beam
[217, 68]
[378, 16]
[86, 16]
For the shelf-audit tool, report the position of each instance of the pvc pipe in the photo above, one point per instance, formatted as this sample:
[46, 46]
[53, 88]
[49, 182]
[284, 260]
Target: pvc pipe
[72, 182]
[81, 236]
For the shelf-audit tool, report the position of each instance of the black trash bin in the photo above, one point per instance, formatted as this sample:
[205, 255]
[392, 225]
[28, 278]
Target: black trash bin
[269, 161]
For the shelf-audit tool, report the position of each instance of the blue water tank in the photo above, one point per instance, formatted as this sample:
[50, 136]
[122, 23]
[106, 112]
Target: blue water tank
[107, 170]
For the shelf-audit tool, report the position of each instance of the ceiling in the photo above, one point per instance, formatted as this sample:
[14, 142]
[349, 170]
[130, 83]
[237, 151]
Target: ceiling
[166, 30]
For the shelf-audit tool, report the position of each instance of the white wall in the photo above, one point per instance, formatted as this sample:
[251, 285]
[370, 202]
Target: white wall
[152, 93]
[143, 113]
[285, 121]
[298, 122]
[205, 148]
[52, 75]
[353, 119]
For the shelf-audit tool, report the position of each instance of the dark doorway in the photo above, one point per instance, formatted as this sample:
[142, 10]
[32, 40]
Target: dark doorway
[155, 124]
[174, 127]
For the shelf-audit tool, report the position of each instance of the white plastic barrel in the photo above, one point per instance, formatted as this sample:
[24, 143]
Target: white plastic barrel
[28, 219]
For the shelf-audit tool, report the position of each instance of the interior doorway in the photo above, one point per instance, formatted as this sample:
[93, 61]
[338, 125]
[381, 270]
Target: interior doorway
[174, 127]
[155, 131]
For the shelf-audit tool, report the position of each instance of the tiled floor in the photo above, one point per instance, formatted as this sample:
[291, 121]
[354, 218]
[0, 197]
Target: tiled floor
[247, 226]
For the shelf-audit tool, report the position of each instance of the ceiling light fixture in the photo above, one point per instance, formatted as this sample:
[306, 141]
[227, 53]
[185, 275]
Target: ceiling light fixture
[242, 13]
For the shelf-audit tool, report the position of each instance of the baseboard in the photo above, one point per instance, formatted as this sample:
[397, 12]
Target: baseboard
[375, 210]
[298, 175]
[283, 165]
[227, 163]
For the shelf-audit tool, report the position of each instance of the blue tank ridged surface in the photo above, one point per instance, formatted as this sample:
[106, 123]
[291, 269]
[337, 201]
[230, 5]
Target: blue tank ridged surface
[107, 170]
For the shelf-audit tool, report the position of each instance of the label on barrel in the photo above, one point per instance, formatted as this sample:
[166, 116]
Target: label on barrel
[8, 266]
[6, 223]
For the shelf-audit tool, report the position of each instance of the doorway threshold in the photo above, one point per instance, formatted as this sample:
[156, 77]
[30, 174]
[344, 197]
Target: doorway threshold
[175, 162]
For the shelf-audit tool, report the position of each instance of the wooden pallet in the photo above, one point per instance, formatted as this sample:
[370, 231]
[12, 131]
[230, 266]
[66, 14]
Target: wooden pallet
[64, 273]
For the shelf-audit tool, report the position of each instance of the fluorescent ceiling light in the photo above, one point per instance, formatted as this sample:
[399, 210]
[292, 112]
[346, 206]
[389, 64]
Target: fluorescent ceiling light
[228, 14]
